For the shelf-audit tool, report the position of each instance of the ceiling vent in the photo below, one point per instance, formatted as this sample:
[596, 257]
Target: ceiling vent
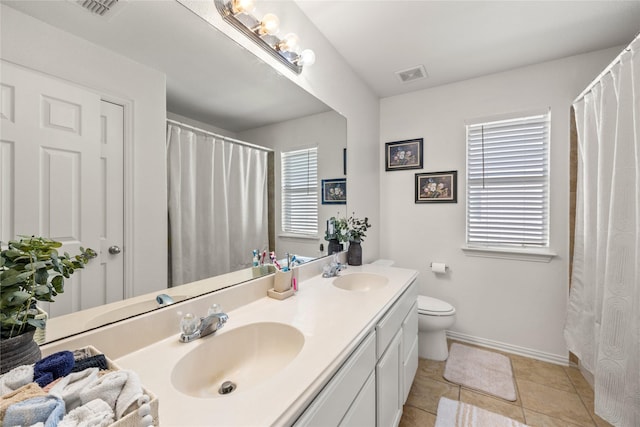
[99, 7]
[412, 74]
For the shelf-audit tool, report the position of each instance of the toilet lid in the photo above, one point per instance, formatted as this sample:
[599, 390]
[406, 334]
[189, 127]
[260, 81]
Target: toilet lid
[429, 305]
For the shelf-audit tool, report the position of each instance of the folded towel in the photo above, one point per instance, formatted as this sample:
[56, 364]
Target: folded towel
[96, 413]
[69, 387]
[51, 385]
[23, 393]
[16, 378]
[44, 379]
[53, 367]
[97, 361]
[120, 389]
[48, 410]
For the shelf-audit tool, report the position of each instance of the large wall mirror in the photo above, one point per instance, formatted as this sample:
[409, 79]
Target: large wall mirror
[212, 85]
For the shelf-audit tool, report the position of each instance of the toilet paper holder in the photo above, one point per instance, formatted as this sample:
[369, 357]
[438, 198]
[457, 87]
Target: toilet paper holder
[438, 267]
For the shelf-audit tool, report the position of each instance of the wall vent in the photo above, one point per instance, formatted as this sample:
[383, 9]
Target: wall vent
[99, 7]
[412, 74]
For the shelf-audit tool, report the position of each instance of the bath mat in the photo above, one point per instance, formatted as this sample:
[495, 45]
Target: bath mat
[452, 413]
[481, 370]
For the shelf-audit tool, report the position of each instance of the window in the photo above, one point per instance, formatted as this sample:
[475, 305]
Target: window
[300, 191]
[508, 183]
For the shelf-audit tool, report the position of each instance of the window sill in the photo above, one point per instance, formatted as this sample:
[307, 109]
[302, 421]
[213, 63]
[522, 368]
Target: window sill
[299, 236]
[529, 254]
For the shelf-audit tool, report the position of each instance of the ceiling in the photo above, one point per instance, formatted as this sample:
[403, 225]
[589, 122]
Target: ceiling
[232, 89]
[459, 40]
[453, 40]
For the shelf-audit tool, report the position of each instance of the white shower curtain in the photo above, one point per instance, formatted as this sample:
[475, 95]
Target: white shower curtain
[217, 204]
[603, 319]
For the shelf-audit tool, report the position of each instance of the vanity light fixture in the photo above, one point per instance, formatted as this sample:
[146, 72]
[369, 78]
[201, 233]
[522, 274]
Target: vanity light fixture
[239, 13]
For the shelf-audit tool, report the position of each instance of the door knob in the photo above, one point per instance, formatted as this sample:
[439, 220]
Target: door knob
[114, 250]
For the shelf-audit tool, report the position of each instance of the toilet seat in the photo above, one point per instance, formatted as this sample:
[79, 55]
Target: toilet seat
[434, 307]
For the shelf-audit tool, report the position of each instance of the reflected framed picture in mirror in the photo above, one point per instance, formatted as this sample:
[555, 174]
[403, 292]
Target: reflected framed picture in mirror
[402, 155]
[334, 191]
[437, 187]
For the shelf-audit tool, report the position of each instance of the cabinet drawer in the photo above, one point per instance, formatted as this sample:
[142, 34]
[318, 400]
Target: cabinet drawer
[409, 330]
[392, 321]
[331, 405]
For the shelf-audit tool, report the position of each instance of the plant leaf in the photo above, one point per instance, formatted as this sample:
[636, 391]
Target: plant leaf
[58, 284]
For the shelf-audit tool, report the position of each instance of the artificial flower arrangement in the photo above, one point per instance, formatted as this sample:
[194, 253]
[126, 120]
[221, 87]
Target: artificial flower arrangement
[336, 230]
[347, 229]
[356, 228]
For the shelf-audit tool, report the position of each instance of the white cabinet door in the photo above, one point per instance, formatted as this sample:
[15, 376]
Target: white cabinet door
[362, 412]
[389, 391]
[56, 173]
[409, 350]
[334, 401]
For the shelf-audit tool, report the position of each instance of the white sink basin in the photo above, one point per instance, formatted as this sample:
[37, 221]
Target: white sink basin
[360, 282]
[245, 356]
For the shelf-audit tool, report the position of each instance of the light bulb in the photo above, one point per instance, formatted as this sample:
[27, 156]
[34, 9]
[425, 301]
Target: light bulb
[289, 43]
[270, 24]
[306, 57]
[242, 6]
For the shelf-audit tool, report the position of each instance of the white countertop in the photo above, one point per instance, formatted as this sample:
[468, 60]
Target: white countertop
[333, 322]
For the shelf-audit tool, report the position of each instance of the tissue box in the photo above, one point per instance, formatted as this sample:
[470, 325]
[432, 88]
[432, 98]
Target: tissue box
[132, 419]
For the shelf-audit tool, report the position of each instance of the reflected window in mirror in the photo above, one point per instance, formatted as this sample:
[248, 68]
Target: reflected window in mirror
[299, 170]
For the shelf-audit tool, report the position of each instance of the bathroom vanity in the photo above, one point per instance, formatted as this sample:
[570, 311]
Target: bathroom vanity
[372, 385]
[339, 352]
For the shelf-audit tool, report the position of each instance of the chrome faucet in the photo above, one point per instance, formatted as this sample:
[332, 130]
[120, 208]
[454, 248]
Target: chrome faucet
[332, 270]
[192, 328]
[164, 299]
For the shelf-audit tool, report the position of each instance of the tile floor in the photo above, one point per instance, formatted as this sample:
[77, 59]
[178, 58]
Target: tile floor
[548, 396]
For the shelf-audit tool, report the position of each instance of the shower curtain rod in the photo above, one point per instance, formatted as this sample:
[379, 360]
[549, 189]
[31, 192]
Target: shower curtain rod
[605, 71]
[226, 138]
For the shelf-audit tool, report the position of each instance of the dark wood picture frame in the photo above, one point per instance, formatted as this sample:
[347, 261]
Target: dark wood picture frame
[334, 191]
[403, 155]
[436, 187]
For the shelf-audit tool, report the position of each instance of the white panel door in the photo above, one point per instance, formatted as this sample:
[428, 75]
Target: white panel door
[111, 212]
[54, 176]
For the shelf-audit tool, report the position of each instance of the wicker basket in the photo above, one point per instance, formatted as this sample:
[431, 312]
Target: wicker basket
[133, 419]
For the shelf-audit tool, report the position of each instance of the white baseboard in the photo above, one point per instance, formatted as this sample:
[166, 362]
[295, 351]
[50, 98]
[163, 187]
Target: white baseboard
[508, 348]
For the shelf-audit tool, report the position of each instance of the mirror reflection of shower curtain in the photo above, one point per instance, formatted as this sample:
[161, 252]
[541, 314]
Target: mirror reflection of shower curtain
[217, 193]
[603, 314]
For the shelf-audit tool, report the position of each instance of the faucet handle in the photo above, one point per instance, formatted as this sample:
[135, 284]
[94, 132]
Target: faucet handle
[189, 324]
[214, 309]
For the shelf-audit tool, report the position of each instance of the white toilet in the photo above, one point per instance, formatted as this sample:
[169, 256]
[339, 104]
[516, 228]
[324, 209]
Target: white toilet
[434, 318]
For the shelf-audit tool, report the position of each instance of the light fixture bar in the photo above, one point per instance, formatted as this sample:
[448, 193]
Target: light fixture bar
[245, 23]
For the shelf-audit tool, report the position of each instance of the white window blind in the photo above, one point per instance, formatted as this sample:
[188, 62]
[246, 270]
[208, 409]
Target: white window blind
[508, 183]
[300, 191]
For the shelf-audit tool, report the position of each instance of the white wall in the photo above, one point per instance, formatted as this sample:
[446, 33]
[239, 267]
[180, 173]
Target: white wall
[327, 131]
[33, 44]
[519, 305]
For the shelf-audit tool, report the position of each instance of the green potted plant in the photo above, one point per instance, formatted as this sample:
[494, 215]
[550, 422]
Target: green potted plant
[336, 234]
[356, 232]
[31, 270]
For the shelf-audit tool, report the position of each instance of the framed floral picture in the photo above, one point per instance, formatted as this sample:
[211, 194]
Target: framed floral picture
[402, 155]
[334, 191]
[437, 187]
